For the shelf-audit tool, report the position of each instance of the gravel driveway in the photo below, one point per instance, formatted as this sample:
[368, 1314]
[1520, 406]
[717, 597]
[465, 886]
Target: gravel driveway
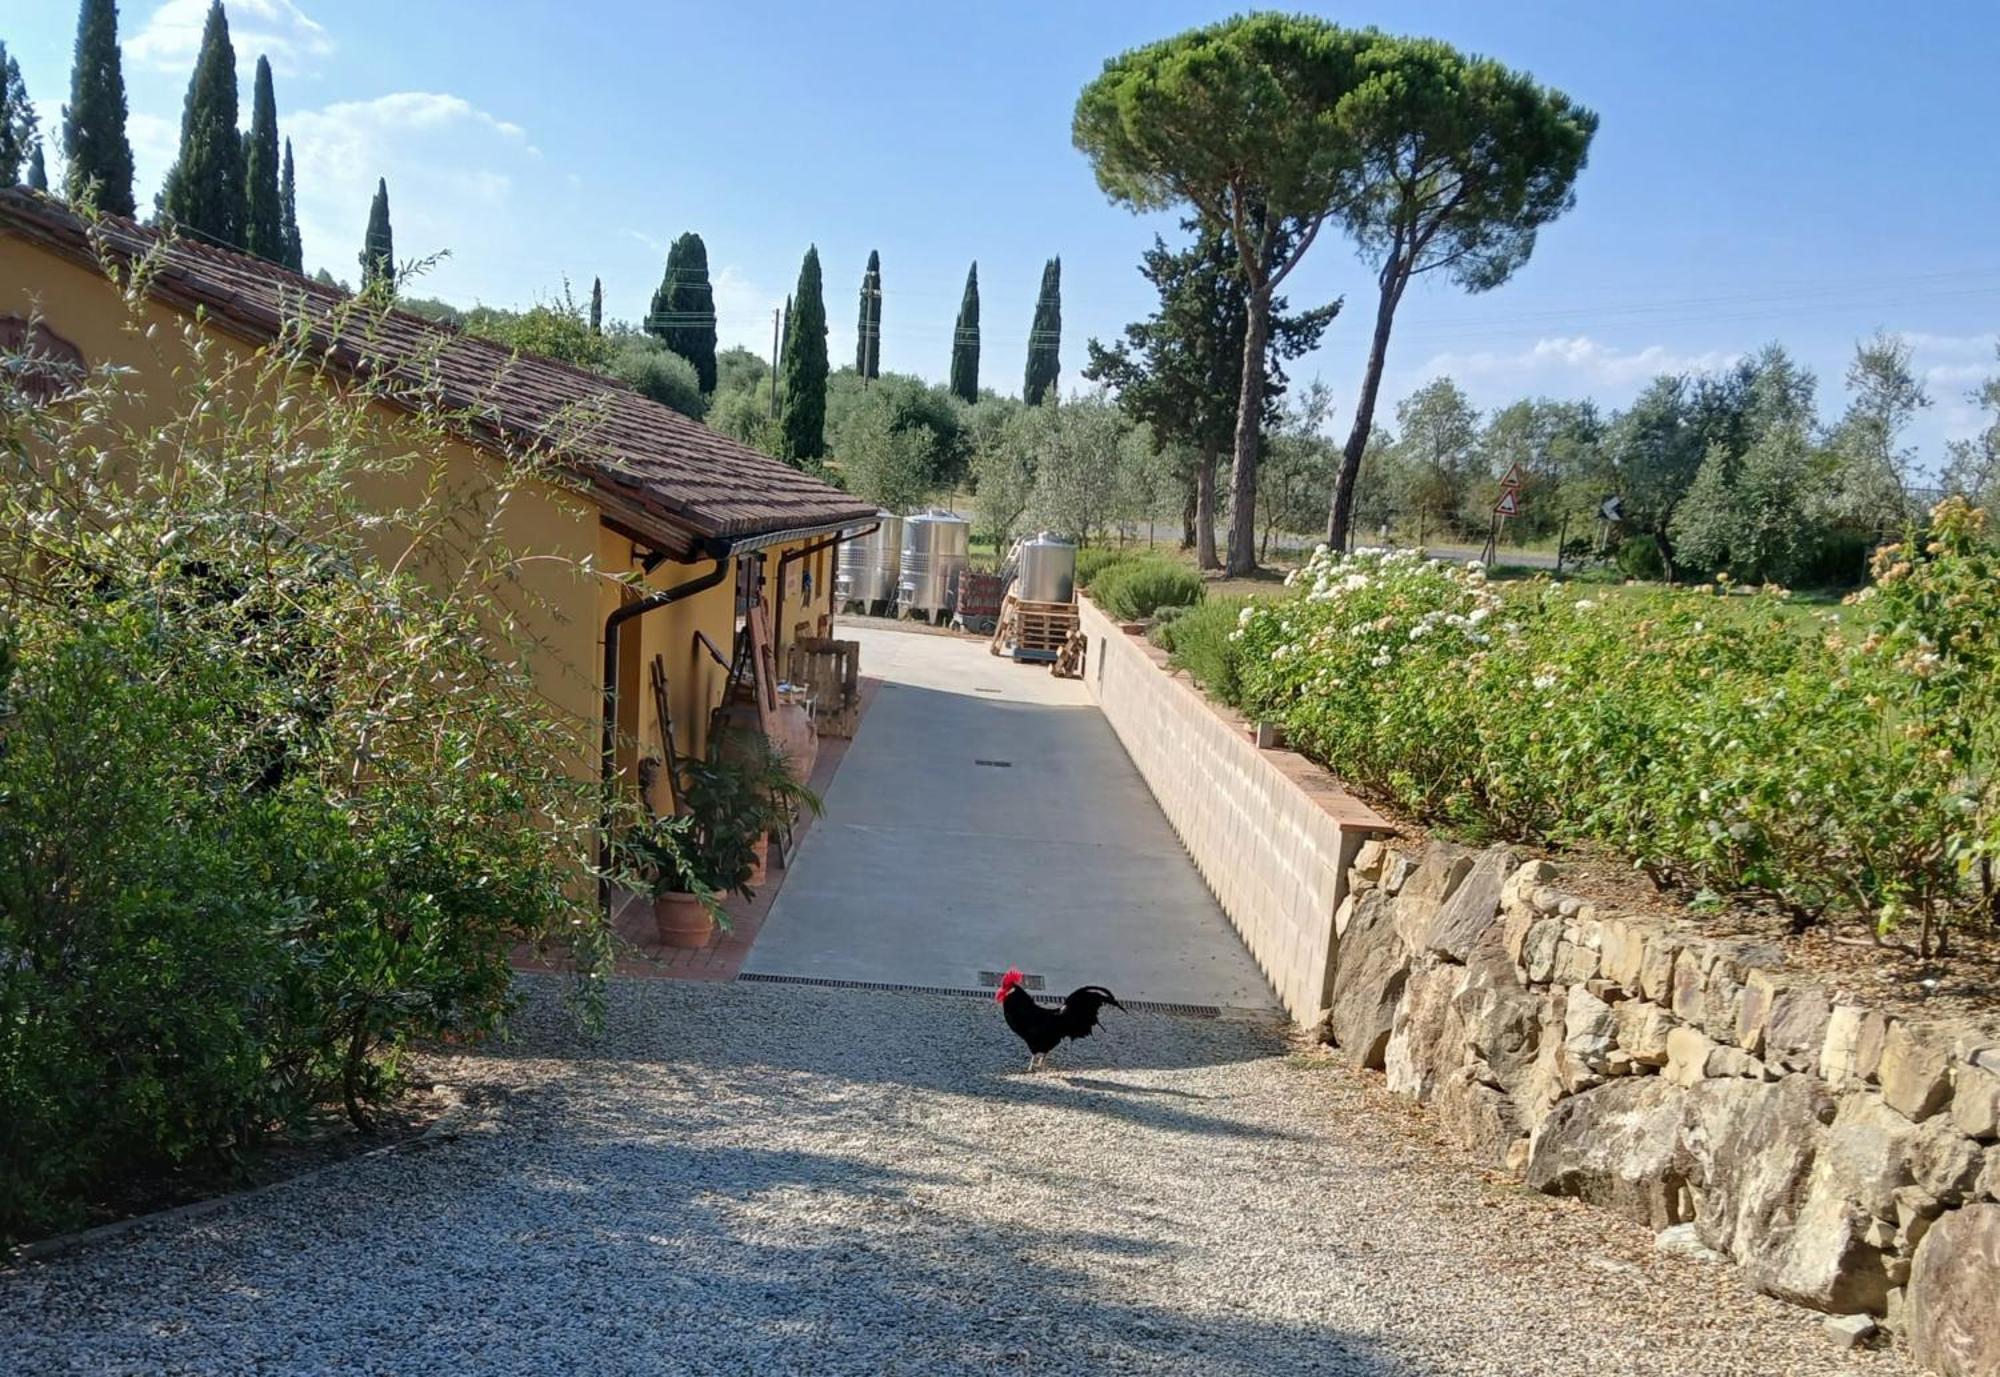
[778, 1179]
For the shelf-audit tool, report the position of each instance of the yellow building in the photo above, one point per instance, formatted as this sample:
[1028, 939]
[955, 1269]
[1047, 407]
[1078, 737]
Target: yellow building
[701, 527]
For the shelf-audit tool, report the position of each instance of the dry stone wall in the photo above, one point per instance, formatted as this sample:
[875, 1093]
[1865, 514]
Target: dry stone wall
[1846, 1160]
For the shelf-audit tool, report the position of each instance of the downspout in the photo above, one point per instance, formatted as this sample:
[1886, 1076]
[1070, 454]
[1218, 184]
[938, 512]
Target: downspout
[626, 612]
[778, 616]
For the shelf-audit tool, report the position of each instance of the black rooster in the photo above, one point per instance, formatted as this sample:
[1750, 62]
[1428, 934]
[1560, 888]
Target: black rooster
[1044, 1029]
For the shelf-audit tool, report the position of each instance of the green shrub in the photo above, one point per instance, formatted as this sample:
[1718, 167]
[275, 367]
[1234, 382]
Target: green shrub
[271, 808]
[1639, 557]
[1726, 745]
[1093, 560]
[1133, 589]
[1202, 640]
[657, 372]
[1834, 559]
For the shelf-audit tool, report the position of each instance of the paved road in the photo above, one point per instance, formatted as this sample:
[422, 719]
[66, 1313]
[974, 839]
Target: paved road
[987, 817]
[759, 1180]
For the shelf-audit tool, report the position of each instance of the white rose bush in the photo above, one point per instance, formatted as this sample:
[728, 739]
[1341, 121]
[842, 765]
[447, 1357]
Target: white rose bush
[1828, 764]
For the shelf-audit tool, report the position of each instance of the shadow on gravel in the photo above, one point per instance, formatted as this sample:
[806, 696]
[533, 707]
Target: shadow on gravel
[755, 1260]
[935, 1043]
[1122, 1088]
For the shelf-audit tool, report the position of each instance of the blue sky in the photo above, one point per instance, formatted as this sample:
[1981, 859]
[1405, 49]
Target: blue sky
[1807, 174]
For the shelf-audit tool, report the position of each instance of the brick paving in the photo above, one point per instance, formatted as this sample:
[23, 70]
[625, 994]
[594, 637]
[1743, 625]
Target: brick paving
[641, 953]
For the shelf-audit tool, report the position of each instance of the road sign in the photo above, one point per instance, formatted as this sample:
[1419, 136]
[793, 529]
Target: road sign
[1612, 510]
[1515, 478]
[1509, 503]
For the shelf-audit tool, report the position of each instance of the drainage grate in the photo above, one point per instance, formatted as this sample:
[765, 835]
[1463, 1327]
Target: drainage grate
[982, 689]
[1137, 1006]
[991, 980]
[996, 764]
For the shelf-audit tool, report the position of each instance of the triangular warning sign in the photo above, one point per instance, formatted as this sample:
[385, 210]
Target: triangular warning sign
[1509, 503]
[1516, 477]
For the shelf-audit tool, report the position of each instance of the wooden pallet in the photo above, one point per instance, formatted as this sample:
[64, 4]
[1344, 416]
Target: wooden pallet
[831, 671]
[1033, 630]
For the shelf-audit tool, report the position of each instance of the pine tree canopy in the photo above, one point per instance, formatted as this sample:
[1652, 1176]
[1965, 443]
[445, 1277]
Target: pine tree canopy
[804, 415]
[683, 309]
[97, 155]
[203, 195]
[596, 305]
[965, 341]
[263, 210]
[378, 249]
[1045, 336]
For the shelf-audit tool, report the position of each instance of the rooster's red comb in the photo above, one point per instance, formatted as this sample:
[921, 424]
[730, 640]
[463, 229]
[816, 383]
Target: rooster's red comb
[1008, 982]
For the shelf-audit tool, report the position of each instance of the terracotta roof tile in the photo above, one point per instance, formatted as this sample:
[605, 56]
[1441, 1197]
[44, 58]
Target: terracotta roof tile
[636, 455]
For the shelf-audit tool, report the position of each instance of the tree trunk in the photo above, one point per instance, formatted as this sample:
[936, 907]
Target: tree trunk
[1341, 515]
[1191, 512]
[1205, 556]
[1249, 418]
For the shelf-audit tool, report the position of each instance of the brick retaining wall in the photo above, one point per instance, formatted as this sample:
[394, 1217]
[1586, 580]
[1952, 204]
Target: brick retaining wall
[1271, 832]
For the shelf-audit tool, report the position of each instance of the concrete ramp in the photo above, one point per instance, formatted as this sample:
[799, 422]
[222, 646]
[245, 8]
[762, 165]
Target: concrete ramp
[987, 817]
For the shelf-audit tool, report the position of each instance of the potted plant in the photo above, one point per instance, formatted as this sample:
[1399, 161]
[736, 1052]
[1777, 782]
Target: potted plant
[715, 846]
[774, 779]
[685, 905]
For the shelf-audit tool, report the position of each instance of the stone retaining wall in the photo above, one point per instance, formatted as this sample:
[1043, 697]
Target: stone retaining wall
[1844, 1159]
[1271, 832]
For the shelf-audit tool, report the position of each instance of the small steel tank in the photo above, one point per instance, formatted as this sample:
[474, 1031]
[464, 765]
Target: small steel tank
[1047, 570]
[936, 546]
[871, 565]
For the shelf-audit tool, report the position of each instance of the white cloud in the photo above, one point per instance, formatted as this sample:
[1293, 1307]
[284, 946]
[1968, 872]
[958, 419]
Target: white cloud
[452, 170]
[1925, 345]
[155, 142]
[1577, 359]
[277, 29]
[1944, 376]
[653, 242]
[743, 310]
[1951, 366]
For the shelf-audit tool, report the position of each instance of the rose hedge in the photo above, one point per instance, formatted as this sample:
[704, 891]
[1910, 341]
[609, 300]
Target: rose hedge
[1827, 763]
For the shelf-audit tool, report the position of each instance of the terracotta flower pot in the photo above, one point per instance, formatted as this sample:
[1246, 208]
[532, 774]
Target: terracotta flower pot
[682, 920]
[762, 850]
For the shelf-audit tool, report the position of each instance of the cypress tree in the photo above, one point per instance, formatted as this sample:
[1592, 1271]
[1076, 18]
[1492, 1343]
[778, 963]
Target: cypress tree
[204, 188]
[868, 330]
[97, 156]
[378, 249]
[778, 364]
[965, 340]
[38, 171]
[263, 206]
[1045, 336]
[805, 368]
[18, 139]
[288, 215]
[683, 312]
[596, 305]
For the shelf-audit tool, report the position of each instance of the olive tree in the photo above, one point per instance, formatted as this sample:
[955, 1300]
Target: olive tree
[1076, 450]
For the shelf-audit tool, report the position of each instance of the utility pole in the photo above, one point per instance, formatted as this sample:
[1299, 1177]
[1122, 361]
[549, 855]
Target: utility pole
[775, 311]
